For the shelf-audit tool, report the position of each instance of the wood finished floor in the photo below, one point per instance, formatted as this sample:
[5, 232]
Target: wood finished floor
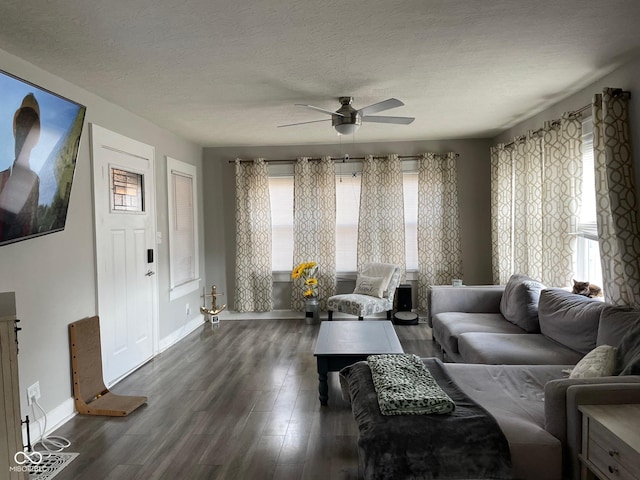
[234, 401]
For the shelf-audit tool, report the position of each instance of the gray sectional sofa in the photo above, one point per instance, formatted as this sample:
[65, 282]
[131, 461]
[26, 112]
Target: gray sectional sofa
[521, 323]
[526, 390]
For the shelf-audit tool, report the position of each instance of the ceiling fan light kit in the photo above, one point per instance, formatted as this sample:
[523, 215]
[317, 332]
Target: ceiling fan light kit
[347, 120]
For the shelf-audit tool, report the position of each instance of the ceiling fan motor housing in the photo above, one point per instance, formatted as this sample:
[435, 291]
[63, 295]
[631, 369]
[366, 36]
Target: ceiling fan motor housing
[350, 116]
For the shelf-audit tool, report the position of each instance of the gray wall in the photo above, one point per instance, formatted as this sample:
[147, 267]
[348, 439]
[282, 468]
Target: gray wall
[473, 178]
[53, 275]
[626, 77]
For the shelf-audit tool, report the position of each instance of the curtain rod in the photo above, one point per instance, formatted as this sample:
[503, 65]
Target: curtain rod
[554, 123]
[616, 92]
[345, 159]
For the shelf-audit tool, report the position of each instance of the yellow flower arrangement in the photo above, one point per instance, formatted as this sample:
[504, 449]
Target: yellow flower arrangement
[307, 271]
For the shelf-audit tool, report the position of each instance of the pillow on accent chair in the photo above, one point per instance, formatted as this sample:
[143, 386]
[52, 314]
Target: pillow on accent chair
[599, 362]
[519, 303]
[372, 286]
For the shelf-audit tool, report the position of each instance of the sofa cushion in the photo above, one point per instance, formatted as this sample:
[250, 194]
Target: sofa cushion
[514, 395]
[519, 303]
[570, 319]
[599, 362]
[448, 326]
[514, 349]
[628, 361]
[615, 321]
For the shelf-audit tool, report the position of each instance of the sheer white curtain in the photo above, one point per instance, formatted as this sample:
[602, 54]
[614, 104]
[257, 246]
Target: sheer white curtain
[616, 203]
[535, 203]
[314, 225]
[381, 223]
[439, 244]
[254, 282]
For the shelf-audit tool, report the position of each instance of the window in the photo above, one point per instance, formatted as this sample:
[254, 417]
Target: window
[126, 191]
[588, 266]
[183, 228]
[281, 198]
[410, 189]
[347, 213]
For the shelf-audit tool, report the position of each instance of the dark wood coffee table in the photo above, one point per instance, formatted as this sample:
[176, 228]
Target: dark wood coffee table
[344, 343]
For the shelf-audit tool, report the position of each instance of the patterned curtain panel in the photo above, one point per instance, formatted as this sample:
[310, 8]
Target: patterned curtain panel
[314, 226]
[562, 198]
[254, 282]
[439, 244]
[501, 214]
[617, 208]
[527, 206]
[381, 224]
[535, 191]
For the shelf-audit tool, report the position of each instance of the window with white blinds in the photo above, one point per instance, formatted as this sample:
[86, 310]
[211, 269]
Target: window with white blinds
[281, 198]
[588, 267]
[347, 214]
[183, 228]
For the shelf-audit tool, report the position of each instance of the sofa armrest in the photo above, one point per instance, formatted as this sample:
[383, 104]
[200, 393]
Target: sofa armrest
[555, 400]
[556, 395]
[470, 299]
[599, 394]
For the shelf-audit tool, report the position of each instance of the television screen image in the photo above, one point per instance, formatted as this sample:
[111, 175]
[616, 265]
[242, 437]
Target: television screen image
[39, 138]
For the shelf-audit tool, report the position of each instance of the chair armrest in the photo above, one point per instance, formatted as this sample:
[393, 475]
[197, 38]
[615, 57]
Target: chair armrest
[470, 299]
[598, 394]
[555, 399]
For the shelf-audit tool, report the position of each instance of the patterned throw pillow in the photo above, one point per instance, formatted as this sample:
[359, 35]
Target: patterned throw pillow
[599, 362]
[372, 286]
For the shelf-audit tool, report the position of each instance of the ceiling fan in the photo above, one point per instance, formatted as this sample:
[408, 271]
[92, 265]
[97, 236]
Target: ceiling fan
[346, 120]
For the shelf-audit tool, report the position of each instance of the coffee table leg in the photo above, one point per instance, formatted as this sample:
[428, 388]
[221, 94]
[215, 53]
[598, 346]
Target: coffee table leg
[323, 386]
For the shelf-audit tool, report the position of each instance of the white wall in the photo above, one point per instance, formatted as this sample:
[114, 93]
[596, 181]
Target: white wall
[473, 180]
[54, 276]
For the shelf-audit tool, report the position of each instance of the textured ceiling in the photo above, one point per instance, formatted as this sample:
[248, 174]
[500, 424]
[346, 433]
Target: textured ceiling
[225, 73]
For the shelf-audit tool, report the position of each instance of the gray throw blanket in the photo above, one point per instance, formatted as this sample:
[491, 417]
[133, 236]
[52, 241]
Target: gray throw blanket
[405, 386]
[465, 444]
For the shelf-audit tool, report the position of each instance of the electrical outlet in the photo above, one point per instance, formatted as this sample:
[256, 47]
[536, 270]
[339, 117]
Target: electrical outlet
[188, 310]
[33, 392]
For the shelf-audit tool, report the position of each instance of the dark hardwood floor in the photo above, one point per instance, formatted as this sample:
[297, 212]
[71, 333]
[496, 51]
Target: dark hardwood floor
[234, 401]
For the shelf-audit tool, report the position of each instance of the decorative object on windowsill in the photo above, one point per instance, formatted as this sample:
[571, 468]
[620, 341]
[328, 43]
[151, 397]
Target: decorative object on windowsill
[307, 271]
[211, 315]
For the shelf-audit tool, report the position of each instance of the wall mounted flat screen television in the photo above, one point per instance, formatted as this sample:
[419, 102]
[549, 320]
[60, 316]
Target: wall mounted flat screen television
[39, 139]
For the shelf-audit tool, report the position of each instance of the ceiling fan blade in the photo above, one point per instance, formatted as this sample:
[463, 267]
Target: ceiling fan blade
[303, 123]
[319, 109]
[382, 119]
[380, 106]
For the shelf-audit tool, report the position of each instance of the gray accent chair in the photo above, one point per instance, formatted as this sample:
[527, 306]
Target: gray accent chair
[362, 305]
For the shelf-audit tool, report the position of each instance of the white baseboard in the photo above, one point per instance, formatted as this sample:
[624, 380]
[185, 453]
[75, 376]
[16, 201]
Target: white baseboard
[55, 418]
[177, 335]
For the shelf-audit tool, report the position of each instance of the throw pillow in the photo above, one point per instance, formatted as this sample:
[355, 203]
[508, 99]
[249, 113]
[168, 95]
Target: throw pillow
[629, 351]
[570, 319]
[599, 362]
[384, 270]
[615, 321]
[519, 303]
[372, 286]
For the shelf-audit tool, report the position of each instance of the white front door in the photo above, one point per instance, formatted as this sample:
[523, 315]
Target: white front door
[124, 200]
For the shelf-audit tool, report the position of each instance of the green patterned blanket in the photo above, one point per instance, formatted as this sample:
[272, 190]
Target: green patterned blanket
[404, 386]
